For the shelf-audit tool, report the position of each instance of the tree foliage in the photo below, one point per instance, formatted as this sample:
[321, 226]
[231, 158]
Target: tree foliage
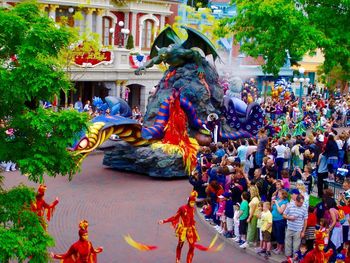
[130, 42]
[30, 71]
[272, 27]
[202, 20]
[21, 234]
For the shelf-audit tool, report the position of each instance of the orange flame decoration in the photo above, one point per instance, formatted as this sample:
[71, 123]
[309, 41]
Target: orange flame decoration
[176, 139]
[211, 247]
[138, 246]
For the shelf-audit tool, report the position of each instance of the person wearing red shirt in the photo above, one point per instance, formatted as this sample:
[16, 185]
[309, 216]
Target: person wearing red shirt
[81, 251]
[185, 229]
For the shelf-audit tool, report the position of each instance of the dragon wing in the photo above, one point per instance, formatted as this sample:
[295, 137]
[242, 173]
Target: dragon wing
[197, 39]
[167, 37]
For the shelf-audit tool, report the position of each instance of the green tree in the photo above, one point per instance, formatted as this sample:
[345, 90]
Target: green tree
[272, 27]
[41, 137]
[21, 234]
[130, 42]
[205, 22]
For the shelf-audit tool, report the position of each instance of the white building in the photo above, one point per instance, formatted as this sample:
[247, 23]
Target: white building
[142, 18]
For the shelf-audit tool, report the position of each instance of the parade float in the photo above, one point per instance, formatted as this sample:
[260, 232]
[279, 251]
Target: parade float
[188, 109]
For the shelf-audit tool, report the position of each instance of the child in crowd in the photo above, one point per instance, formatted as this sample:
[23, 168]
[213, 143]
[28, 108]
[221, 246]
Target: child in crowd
[298, 257]
[258, 226]
[220, 214]
[243, 216]
[229, 213]
[323, 229]
[207, 211]
[285, 179]
[266, 229]
[310, 228]
[236, 221]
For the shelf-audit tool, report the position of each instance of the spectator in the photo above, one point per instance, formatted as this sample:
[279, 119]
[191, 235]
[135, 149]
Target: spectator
[296, 216]
[280, 150]
[78, 105]
[253, 214]
[322, 174]
[279, 223]
[335, 230]
[243, 216]
[266, 229]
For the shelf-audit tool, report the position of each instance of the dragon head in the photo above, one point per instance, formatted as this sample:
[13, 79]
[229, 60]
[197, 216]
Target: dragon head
[164, 52]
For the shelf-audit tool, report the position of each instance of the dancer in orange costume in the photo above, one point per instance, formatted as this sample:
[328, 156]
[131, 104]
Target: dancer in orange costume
[317, 255]
[81, 251]
[39, 206]
[185, 229]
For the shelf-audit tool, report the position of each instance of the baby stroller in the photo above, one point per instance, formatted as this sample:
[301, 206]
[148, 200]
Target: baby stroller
[342, 173]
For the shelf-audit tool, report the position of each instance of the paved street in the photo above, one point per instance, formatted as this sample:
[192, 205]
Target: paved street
[116, 204]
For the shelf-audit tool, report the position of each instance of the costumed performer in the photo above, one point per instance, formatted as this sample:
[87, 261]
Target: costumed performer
[81, 251]
[185, 229]
[317, 255]
[39, 206]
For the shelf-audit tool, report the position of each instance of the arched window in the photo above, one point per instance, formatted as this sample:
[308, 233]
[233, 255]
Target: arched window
[107, 36]
[147, 34]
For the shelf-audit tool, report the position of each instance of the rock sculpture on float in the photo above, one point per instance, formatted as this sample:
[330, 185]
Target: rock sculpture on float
[187, 103]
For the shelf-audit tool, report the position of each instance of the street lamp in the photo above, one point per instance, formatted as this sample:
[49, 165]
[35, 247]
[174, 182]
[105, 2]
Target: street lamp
[122, 35]
[301, 80]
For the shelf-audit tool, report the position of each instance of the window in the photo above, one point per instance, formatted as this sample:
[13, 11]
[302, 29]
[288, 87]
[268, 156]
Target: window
[62, 15]
[107, 36]
[147, 34]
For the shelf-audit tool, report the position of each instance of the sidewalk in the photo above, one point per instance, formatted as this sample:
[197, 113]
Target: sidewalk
[250, 250]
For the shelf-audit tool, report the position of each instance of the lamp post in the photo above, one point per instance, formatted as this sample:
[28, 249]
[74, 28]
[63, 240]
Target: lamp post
[122, 35]
[301, 80]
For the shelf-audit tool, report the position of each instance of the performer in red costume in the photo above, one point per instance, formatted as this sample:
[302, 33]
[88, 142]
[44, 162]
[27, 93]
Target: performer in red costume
[39, 206]
[185, 229]
[317, 255]
[81, 251]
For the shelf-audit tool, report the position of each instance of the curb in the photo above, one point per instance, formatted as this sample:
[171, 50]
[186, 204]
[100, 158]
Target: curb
[229, 241]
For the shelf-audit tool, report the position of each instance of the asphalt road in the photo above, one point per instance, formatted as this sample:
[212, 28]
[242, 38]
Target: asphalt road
[117, 203]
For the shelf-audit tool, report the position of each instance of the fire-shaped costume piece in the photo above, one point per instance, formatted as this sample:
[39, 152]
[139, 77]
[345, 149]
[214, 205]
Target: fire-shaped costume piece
[81, 251]
[40, 206]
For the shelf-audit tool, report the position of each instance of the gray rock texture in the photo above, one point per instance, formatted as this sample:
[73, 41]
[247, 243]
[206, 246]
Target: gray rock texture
[144, 160]
[156, 163]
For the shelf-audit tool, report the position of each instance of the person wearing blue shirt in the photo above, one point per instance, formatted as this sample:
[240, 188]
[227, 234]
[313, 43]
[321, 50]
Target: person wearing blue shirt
[278, 222]
[78, 105]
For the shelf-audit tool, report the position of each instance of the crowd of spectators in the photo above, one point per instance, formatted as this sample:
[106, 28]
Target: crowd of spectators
[258, 191]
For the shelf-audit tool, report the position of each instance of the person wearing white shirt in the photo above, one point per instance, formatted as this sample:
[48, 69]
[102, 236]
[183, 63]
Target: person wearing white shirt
[280, 149]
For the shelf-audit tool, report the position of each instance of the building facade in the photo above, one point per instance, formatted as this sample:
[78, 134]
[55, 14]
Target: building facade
[143, 19]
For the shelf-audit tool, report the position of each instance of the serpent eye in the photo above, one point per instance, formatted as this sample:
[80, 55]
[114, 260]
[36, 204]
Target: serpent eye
[83, 143]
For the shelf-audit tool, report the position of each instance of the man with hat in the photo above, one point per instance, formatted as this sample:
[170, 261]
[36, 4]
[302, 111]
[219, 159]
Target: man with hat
[185, 229]
[81, 251]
